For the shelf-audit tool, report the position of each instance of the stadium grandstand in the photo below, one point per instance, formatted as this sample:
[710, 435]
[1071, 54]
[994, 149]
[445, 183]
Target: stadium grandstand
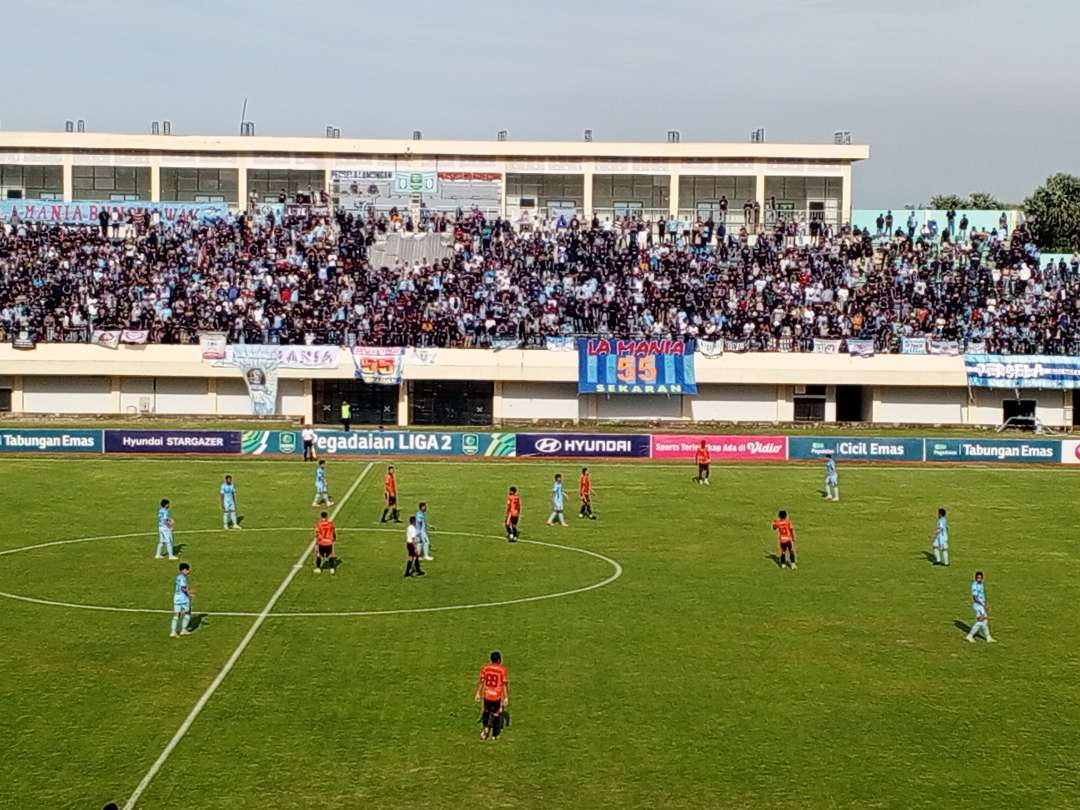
[456, 246]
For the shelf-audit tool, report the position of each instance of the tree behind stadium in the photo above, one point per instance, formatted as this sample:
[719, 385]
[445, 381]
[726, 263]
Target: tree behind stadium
[1053, 212]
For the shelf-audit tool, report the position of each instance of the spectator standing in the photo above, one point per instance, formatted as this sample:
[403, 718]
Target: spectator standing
[346, 415]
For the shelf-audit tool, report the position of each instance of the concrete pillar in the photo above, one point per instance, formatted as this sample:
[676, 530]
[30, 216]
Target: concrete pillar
[785, 404]
[403, 404]
[241, 185]
[211, 396]
[587, 181]
[759, 195]
[830, 403]
[17, 394]
[673, 195]
[502, 194]
[118, 395]
[309, 401]
[845, 195]
[875, 405]
[687, 408]
[155, 181]
[497, 403]
[67, 162]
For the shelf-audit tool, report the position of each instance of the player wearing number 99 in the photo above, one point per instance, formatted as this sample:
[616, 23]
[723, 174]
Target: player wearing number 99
[494, 690]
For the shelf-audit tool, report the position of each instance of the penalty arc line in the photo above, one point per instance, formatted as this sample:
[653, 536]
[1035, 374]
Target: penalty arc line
[231, 662]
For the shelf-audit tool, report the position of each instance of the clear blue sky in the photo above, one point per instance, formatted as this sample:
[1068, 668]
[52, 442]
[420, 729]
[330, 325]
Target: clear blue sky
[951, 96]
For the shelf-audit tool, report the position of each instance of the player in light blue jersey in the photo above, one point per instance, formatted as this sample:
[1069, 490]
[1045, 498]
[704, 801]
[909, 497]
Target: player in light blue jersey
[165, 530]
[940, 539]
[832, 482]
[981, 608]
[322, 492]
[228, 503]
[182, 594]
[421, 532]
[558, 502]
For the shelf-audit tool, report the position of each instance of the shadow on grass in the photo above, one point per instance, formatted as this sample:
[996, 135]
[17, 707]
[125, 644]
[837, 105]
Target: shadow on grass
[178, 548]
[775, 558]
[928, 556]
[964, 626]
[197, 620]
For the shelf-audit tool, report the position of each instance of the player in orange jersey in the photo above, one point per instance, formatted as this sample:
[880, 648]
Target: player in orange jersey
[390, 496]
[493, 689]
[585, 493]
[325, 537]
[703, 458]
[786, 534]
[513, 514]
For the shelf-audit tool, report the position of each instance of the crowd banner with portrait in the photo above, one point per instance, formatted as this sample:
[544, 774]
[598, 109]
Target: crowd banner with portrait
[636, 366]
[260, 364]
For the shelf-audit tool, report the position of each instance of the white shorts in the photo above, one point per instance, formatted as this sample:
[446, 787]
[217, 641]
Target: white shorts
[183, 606]
[979, 611]
[831, 481]
[164, 534]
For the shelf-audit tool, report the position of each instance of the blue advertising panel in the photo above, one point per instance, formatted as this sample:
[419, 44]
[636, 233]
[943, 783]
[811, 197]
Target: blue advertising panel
[380, 442]
[1011, 450]
[1022, 371]
[50, 441]
[875, 448]
[584, 445]
[636, 366]
[217, 442]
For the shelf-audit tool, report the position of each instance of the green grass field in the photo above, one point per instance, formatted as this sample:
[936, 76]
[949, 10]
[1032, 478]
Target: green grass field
[703, 677]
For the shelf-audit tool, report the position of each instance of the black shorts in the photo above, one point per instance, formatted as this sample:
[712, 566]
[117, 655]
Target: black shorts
[391, 500]
[325, 551]
[411, 549]
[513, 521]
[702, 469]
[492, 706]
[786, 546]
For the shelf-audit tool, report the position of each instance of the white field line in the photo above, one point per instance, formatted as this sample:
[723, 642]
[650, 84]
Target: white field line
[617, 568]
[229, 664]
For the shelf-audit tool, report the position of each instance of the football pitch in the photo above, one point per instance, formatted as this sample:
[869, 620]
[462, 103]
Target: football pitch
[658, 656]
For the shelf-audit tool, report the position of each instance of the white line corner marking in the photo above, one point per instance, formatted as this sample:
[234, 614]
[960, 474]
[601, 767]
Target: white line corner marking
[225, 670]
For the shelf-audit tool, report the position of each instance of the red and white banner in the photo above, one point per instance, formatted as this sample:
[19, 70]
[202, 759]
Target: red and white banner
[722, 448]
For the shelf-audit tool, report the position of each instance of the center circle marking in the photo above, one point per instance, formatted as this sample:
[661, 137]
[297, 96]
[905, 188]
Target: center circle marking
[617, 571]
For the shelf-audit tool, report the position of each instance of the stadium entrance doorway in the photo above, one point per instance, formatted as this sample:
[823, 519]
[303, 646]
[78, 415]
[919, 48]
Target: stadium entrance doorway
[371, 404]
[849, 403]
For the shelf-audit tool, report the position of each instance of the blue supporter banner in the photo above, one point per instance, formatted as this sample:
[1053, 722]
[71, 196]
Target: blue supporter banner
[635, 366]
[1012, 450]
[50, 441]
[215, 442]
[875, 448]
[87, 213]
[1022, 371]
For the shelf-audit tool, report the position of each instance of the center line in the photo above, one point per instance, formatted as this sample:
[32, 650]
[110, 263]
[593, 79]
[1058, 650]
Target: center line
[201, 704]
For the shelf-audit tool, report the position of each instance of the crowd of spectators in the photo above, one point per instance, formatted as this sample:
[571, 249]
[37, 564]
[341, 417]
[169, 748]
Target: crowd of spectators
[308, 279]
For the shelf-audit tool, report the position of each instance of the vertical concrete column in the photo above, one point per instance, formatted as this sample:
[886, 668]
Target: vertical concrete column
[587, 188]
[673, 195]
[117, 395]
[17, 394]
[155, 179]
[309, 401]
[67, 163]
[785, 404]
[403, 404]
[497, 403]
[211, 396]
[241, 184]
[759, 194]
[845, 195]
